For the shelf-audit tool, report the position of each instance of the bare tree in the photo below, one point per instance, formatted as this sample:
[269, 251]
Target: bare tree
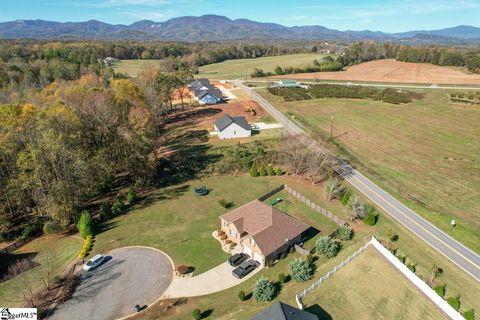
[358, 207]
[26, 289]
[317, 165]
[47, 261]
[294, 155]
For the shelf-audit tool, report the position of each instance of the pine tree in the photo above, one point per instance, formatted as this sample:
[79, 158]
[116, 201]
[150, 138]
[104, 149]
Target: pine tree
[263, 172]
[253, 170]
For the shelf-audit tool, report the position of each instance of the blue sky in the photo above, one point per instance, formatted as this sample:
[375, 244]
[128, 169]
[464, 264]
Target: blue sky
[389, 16]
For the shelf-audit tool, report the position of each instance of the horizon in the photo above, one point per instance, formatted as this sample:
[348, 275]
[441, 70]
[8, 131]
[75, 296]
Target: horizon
[369, 15]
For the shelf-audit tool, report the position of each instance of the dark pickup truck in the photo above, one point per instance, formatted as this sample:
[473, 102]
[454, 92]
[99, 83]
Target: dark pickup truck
[244, 269]
[237, 258]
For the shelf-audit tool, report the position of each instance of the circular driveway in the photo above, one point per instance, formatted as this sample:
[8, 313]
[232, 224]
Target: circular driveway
[129, 276]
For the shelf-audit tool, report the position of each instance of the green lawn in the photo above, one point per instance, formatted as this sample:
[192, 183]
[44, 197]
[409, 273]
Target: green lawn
[241, 68]
[134, 67]
[63, 250]
[426, 152]
[369, 287]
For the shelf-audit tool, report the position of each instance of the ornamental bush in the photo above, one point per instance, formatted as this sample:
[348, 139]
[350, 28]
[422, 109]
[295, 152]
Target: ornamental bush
[454, 302]
[242, 296]
[344, 233]
[105, 212]
[263, 172]
[270, 171]
[278, 171]
[84, 224]
[371, 218]
[282, 278]
[440, 289]
[327, 246]
[253, 170]
[300, 270]
[264, 290]
[118, 206]
[51, 227]
[469, 314]
[197, 314]
[131, 196]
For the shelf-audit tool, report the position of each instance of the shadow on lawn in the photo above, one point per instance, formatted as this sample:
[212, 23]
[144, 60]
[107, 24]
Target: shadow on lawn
[319, 312]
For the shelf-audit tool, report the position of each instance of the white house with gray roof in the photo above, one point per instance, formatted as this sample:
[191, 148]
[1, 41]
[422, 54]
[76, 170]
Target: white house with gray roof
[228, 127]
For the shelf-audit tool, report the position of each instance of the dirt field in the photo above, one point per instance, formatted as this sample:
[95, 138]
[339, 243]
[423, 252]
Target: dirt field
[395, 72]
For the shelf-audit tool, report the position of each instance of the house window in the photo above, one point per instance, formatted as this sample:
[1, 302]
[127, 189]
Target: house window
[234, 132]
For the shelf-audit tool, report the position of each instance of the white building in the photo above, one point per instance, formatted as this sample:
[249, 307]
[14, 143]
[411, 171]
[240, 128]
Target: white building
[232, 127]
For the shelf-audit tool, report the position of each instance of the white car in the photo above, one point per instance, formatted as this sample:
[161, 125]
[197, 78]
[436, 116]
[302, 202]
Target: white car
[93, 263]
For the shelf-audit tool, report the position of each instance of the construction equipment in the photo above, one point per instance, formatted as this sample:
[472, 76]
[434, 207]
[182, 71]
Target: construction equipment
[249, 109]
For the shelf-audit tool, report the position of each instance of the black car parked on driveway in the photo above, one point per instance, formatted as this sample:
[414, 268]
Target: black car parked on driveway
[244, 269]
[237, 258]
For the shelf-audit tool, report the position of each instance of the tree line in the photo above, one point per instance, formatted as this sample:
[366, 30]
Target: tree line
[68, 142]
[444, 56]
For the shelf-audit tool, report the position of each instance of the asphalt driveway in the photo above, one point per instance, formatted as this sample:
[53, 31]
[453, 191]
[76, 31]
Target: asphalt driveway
[211, 281]
[130, 276]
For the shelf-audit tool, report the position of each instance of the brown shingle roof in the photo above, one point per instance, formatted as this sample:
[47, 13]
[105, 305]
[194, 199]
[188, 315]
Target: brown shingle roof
[268, 226]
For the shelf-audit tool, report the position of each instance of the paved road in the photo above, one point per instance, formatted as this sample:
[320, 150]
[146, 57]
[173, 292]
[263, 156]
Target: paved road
[214, 280]
[131, 276]
[463, 257]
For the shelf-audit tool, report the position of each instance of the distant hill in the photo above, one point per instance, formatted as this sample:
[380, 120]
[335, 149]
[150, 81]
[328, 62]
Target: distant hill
[213, 27]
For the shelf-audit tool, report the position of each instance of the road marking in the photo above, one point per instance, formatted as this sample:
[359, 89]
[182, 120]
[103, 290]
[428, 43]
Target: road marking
[419, 225]
[298, 130]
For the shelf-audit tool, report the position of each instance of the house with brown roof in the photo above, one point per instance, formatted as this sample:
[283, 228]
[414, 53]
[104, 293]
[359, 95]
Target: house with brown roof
[263, 232]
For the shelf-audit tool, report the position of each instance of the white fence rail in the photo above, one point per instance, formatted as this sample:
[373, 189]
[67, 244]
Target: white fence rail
[411, 276]
[419, 283]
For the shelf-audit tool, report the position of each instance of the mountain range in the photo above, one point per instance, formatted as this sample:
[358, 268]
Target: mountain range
[217, 28]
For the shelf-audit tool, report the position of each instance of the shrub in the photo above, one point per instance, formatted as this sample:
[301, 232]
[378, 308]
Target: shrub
[242, 296]
[469, 314]
[50, 227]
[105, 212]
[454, 302]
[345, 233]
[131, 196]
[282, 278]
[264, 290]
[263, 172]
[412, 266]
[270, 171]
[334, 189]
[197, 314]
[392, 236]
[370, 219]
[118, 206]
[290, 94]
[224, 203]
[29, 230]
[300, 270]
[253, 170]
[345, 197]
[401, 258]
[278, 171]
[223, 237]
[440, 289]
[327, 246]
[87, 243]
[84, 224]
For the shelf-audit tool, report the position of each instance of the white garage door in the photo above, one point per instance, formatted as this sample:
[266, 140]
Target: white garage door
[258, 257]
[247, 250]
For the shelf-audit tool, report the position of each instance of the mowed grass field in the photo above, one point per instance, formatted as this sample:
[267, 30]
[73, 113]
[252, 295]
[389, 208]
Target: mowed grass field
[134, 67]
[427, 151]
[61, 249]
[241, 68]
[369, 287]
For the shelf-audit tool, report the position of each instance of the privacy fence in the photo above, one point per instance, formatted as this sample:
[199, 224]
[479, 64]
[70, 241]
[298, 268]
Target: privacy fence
[441, 304]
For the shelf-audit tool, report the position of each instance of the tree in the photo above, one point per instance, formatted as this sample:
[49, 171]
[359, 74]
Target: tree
[253, 170]
[84, 224]
[264, 290]
[282, 278]
[317, 165]
[270, 170]
[131, 196]
[371, 218]
[436, 271]
[345, 233]
[118, 206]
[278, 70]
[300, 270]
[359, 210]
[242, 296]
[334, 189]
[105, 211]
[263, 172]
[327, 246]
[294, 155]
[197, 314]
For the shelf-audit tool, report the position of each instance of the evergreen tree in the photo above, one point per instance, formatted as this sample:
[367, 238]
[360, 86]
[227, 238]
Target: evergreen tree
[253, 170]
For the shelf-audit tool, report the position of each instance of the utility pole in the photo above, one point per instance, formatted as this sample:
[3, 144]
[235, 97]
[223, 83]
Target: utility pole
[331, 126]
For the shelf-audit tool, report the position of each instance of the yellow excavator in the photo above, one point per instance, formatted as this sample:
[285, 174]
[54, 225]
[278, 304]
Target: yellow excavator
[249, 109]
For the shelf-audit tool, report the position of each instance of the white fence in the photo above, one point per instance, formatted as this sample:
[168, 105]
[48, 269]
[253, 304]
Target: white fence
[422, 286]
[328, 274]
[419, 283]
